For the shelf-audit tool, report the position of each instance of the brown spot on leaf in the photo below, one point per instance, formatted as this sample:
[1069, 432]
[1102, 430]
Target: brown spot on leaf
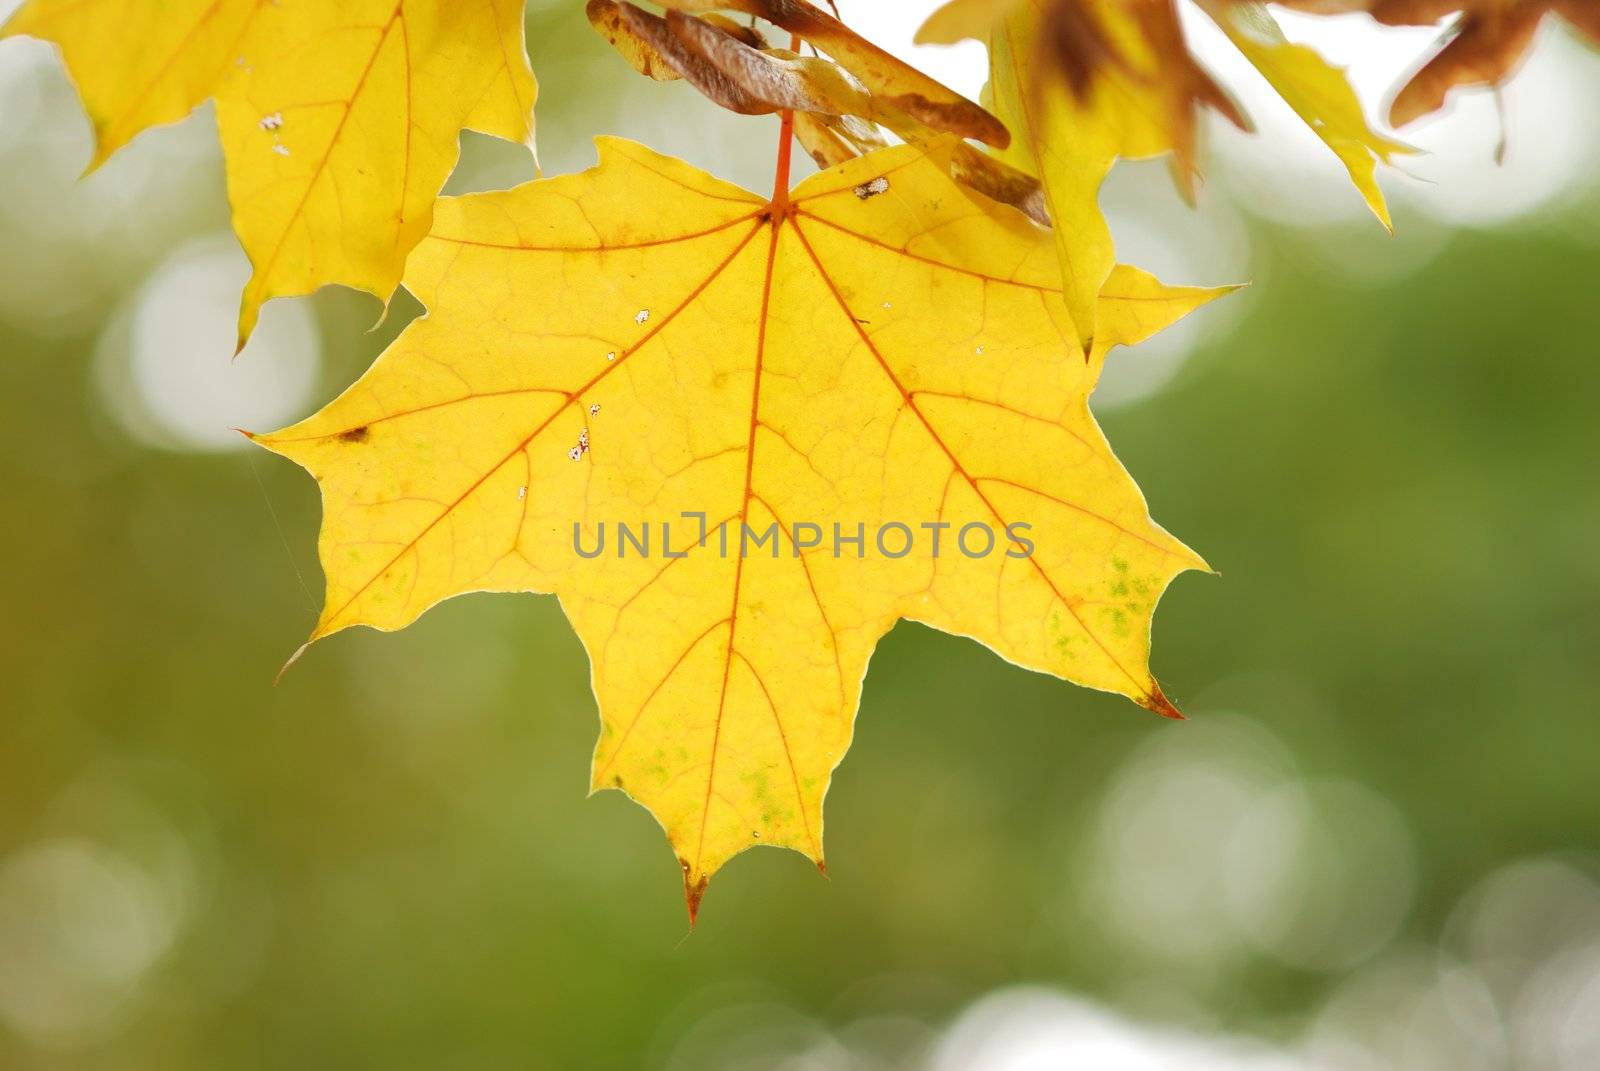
[872, 189]
[354, 435]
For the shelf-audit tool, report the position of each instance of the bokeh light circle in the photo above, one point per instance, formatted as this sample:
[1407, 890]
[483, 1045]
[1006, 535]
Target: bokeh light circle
[165, 370]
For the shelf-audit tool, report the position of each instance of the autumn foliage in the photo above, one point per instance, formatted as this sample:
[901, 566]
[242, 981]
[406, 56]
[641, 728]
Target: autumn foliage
[880, 377]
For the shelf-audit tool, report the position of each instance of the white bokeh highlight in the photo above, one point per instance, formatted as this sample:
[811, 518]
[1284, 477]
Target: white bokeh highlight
[165, 367]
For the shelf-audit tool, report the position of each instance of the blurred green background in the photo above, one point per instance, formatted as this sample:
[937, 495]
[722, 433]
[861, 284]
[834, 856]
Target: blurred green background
[1373, 845]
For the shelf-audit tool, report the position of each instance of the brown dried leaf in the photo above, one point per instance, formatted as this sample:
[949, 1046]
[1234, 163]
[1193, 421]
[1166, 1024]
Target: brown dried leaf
[655, 32]
[890, 80]
[835, 117]
[816, 86]
[775, 79]
[1482, 48]
[1584, 15]
[607, 19]
[1488, 43]
[739, 31]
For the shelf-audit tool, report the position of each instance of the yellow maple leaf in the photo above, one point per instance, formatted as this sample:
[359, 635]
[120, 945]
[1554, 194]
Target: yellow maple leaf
[1129, 91]
[1318, 92]
[339, 122]
[1068, 147]
[819, 414]
[1084, 82]
[959, 20]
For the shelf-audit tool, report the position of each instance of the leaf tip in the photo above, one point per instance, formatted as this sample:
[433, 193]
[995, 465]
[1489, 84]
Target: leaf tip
[249, 313]
[1205, 295]
[530, 141]
[1409, 105]
[694, 890]
[1156, 700]
[102, 153]
[292, 660]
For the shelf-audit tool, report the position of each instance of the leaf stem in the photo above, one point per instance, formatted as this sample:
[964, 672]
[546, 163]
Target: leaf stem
[780, 180]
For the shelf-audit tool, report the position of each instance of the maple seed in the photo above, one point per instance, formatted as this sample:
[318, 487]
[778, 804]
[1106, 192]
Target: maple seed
[272, 122]
[873, 188]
